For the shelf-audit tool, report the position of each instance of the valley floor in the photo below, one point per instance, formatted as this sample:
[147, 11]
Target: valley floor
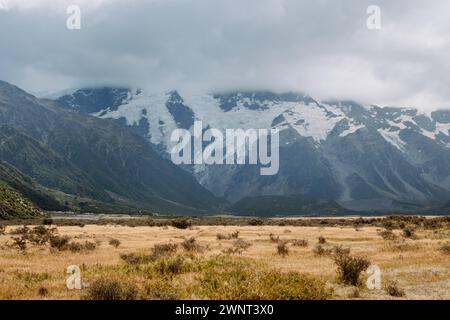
[419, 266]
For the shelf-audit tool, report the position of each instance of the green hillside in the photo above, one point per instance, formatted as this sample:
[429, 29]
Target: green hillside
[14, 205]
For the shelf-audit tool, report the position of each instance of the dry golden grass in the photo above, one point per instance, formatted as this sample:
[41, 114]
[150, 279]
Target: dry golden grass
[417, 266]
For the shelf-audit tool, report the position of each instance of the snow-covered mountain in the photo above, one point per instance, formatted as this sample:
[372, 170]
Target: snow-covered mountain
[365, 157]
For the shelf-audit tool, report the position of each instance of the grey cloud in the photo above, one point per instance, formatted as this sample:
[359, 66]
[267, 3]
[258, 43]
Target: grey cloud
[320, 47]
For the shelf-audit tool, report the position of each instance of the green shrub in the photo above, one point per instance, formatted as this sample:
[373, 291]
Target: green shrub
[161, 289]
[240, 280]
[170, 265]
[107, 289]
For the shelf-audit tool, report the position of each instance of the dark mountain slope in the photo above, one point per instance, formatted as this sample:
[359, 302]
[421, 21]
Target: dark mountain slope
[89, 157]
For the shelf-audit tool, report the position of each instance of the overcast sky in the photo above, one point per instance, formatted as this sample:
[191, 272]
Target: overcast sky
[320, 47]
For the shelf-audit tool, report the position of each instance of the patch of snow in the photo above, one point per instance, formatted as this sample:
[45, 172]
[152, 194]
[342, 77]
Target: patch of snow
[393, 138]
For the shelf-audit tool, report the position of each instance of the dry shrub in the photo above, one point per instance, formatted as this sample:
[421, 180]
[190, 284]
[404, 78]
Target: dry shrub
[273, 238]
[47, 221]
[191, 245]
[110, 289]
[221, 236]
[321, 250]
[59, 242]
[322, 240]
[20, 242]
[158, 251]
[114, 242]
[2, 230]
[239, 246]
[163, 249]
[181, 223]
[161, 289]
[349, 267]
[40, 235]
[20, 231]
[171, 265]
[300, 243]
[445, 248]
[282, 249]
[43, 292]
[387, 235]
[393, 290]
[255, 222]
[134, 258]
[230, 279]
[409, 232]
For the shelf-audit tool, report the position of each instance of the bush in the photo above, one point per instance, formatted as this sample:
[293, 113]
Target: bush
[114, 242]
[59, 242]
[239, 246]
[388, 235]
[445, 248]
[221, 236]
[300, 243]
[273, 238]
[240, 280]
[322, 240]
[321, 251]
[161, 289]
[43, 292]
[170, 266]
[255, 222]
[349, 267]
[47, 221]
[2, 229]
[20, 231]
[181, 223]
[40, 235]
[393, 290]
[190, 245]
[408, 232]
[163, 249]
[282, 249]
[20, 243]
[106, 289]
[134, 258]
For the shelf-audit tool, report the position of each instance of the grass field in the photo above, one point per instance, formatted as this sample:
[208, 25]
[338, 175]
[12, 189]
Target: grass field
[223, 262]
